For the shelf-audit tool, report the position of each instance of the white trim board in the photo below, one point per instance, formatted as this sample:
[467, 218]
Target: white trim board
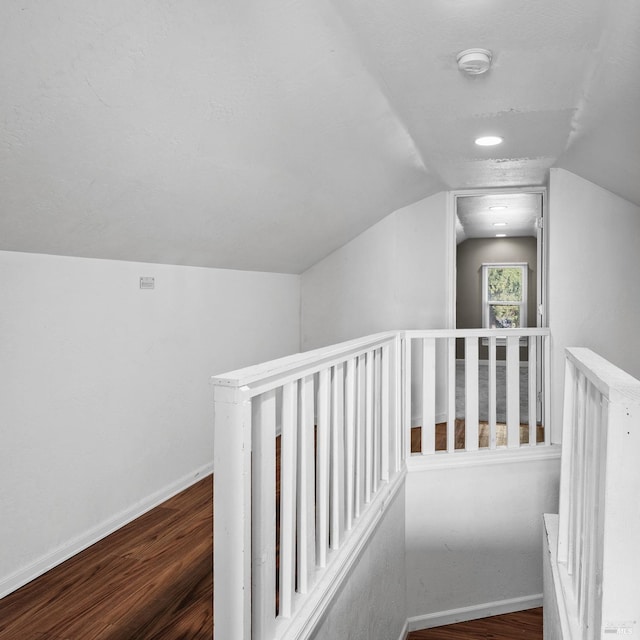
[14, 581]
[483, 457]
[312, 611]
[474, 612]
[405, 631]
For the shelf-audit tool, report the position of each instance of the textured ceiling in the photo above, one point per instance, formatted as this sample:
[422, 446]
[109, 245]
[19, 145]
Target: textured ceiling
[484, 216]
[253, 135]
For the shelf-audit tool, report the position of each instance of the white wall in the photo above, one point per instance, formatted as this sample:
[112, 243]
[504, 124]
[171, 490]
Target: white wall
[474, 539]
[393, 276]
[372, 603]
[105, 401]
[594, 264]
[425, 255]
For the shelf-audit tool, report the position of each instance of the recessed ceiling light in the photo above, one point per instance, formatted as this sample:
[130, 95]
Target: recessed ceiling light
[499, 224]
[488, 141]
[501, 235]
[498, 207]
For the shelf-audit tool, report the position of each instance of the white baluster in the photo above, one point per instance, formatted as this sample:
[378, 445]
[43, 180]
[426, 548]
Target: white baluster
[375, 466]
[368, 430]
[322, 468]
[350, 439]
[385, 382]
[492, 404]
[533, 373]
[288, 471]
[306, 487]
[513, 391]
[264, 515]
[360, 437]
[406, 400]
[337, 456]
[471, 393]
[451, 394]
[428, 395]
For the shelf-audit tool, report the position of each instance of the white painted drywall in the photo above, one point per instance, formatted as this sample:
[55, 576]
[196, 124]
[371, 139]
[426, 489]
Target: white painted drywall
[393, 276]
[425, 241]
[372, 602]
[350, 293]
[594, 262]
[105, 400]
[474, 538]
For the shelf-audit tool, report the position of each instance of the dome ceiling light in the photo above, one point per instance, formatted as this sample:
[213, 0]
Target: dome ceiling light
[473, 62]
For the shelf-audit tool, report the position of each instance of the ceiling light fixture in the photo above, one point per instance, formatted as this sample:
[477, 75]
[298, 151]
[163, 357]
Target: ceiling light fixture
[498, 207]
[488, 141]
[499, 224]
[501, 235]
[473, 62]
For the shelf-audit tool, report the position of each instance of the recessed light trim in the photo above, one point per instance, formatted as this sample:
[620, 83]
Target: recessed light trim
[488, 141]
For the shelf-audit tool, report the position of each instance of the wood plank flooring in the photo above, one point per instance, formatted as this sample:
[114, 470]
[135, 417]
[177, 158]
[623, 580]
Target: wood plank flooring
[522, 625]
[483, 435]
[151, 580]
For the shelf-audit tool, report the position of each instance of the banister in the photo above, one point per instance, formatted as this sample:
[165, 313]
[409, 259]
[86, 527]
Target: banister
[597, 560]
[611, 381]
[293, 364]
[341, 418]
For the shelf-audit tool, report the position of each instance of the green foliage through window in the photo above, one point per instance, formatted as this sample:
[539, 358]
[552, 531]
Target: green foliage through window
[505, 284]
[505, 290]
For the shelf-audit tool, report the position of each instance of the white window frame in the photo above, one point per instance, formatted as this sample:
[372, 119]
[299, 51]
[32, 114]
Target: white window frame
[524, 267]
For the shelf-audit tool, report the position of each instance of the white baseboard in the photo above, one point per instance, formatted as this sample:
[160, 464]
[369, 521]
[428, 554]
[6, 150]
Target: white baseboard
[474, 612]
[405, 631]
[19, 578]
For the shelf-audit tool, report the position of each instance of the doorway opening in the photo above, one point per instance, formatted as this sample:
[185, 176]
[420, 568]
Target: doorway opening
[495, 232]
[499, 283]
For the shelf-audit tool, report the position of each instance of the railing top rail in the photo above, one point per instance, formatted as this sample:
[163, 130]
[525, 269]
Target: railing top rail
[611, 381]
[288, 365]
[285, 367]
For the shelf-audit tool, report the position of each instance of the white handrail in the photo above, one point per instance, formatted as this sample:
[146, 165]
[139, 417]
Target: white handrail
[342, 417]
[334, 414]
[598, 553]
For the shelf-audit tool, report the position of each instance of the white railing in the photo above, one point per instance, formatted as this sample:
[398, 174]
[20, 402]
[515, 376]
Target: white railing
[333, 413]
[599, 520]
[340, 421]
[458, 400]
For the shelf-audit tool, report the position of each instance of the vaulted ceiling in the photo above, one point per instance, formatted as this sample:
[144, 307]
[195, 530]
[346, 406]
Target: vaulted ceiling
[263, 135]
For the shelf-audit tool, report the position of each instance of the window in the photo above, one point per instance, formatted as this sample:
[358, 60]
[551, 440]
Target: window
[504, 295]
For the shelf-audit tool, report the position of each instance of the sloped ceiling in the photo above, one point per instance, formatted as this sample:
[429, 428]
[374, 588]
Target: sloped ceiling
[264, 135]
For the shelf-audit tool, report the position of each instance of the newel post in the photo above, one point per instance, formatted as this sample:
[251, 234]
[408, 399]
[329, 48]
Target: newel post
[232, 512]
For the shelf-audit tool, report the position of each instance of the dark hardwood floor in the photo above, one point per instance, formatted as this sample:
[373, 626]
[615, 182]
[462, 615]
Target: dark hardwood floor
[151, 580]
[459, 435]
[522, 625]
